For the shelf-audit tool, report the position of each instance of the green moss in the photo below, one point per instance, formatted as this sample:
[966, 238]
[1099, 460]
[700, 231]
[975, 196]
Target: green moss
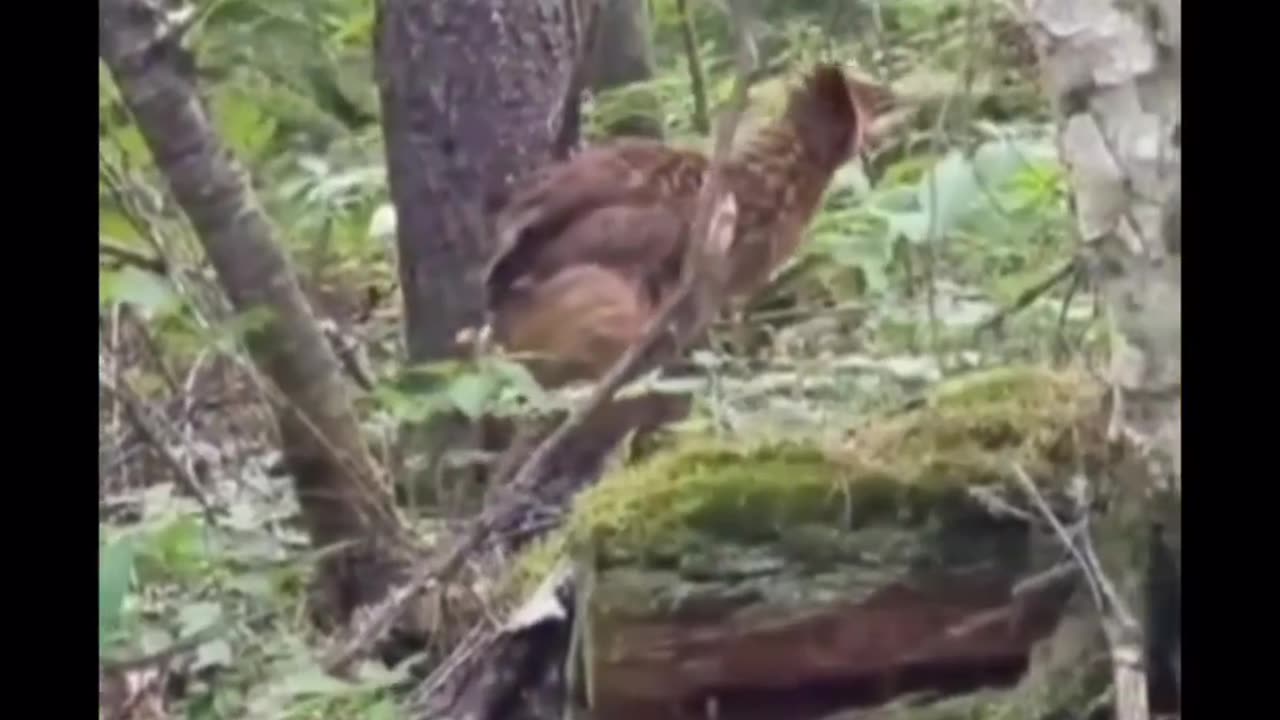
[909, 469]
[532, 565]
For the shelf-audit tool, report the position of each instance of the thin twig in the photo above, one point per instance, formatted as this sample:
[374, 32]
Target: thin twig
[1104, 593]
[1060, 331]
[996, 322]
[932, 240]
[132, 258]
[137, 414]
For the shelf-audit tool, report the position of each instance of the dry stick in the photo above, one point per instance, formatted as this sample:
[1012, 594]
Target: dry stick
[1028, 296]
[1119, 624]
[132, 258]
[1060, 332]
[137, 415]
[713, 214]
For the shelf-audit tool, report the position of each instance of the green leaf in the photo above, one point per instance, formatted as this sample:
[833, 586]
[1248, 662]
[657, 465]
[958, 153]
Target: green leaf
[113, 225]
[517, 377]
[311, 681]
[384, 709]
[912, 225]
[411, 406]
[148, 293]
[115, 570]
[234, 329]
[176, 549]
[996, 162]
[154, 639]
[946, 193]
[472, 393]
[245, 127]
[215, 653]
[199, 616]
[382, 224]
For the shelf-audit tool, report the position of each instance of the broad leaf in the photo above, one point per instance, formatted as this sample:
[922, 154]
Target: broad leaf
[215, 653]
[150, 294]
[382, 225]
[472, 393]
[199, 616]
[115, 571]
[945, 193]
[311, 681]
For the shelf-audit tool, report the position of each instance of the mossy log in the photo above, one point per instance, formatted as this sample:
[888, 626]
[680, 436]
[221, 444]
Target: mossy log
[784, 580]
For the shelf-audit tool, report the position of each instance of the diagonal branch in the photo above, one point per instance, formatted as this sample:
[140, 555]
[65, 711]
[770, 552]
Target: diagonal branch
[126, 256]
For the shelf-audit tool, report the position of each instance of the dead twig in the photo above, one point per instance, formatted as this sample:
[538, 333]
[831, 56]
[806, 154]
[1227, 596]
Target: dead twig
[125, 256]
[995, 323]
[1123, 632]
[137, 414]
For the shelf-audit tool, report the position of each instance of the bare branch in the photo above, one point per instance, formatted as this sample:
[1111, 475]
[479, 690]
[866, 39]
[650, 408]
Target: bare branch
[132, 258]
[137, 414]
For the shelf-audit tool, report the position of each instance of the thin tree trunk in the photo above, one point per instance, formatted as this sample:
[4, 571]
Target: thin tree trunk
[471, 92]
[622, 57]
[1113, 70]
[341, 497]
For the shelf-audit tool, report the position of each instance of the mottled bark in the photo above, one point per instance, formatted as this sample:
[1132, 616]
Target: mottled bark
[622, 57]
[1114, 71]
[471, 94]
[342, 500]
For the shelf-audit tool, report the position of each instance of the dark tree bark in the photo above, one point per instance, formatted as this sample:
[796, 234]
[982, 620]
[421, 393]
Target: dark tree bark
[622, 56]
[471, 94]
[342, 499]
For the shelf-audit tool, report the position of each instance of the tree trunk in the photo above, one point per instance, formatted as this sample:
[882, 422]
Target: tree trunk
[471, 92]
[621, 57]
[1114, 71]
[340, 494]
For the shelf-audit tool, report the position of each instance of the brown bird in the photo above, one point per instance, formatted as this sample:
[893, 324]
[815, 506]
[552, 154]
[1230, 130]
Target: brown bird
[589, 248]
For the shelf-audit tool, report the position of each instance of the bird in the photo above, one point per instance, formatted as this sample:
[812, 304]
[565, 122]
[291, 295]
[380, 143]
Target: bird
[588, 248]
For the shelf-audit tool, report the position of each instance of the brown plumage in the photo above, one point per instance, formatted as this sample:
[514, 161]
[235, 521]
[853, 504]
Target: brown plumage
[588, 248]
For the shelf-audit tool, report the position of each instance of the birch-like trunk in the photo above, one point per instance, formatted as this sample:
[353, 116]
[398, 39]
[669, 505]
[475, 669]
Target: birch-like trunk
[1113, 70]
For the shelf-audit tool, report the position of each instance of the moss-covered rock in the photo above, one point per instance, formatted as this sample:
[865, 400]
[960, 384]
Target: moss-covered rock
[898, 469]
[772, 565]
